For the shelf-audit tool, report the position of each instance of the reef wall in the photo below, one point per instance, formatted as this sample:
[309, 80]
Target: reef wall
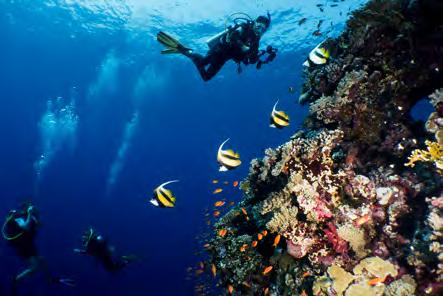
[353, 203]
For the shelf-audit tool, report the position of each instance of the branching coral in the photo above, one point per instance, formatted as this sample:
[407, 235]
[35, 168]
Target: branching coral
[434, 153]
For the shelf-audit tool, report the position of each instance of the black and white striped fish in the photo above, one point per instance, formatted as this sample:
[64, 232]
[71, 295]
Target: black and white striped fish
[279, 119]
[318, 56]
[228, 159]
[163, 197]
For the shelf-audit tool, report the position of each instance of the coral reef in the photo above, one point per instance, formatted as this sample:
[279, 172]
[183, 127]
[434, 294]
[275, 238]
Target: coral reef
[335, 211]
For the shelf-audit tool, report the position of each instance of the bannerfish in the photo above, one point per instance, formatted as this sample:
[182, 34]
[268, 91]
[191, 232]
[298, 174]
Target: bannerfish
[163, 198]
[228, 159]
[279, 119]
[318, 56]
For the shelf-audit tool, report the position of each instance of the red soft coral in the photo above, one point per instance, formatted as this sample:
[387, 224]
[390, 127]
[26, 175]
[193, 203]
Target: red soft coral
[338, 244]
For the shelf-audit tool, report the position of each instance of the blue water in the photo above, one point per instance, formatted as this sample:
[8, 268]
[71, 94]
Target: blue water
[92, 118]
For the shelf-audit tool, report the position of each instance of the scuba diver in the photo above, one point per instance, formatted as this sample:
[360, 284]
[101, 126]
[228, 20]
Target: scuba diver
[239, 42]
[20, 231]
[96, 246]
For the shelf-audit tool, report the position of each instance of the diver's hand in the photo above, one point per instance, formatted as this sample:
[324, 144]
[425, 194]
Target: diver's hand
[30, 210]
[79, 251]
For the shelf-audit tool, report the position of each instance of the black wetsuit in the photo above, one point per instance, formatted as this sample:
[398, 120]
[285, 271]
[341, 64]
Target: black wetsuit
[226, 50]
[25, 243]
[100, 249]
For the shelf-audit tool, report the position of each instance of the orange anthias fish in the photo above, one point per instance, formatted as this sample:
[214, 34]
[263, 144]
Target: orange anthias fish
[362, 220]
[244, 211]
[276, 240]
[219, 203]
[267, 270]
[376, 281]
[235, 183]
[199, 271]
[213, 270]
[303, 293]
[216, 213]
[214, 181]
[230, 289]
[267, 291]
[202, 266]
[254, 244]
[306, 274]
[222, 232]
[259, 236]
[218, 190]
[243, 248]
[232, 203]
[264, 232]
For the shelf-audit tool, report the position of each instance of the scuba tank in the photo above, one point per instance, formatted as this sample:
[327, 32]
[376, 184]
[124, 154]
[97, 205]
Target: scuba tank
[240, 18]
[214, 40]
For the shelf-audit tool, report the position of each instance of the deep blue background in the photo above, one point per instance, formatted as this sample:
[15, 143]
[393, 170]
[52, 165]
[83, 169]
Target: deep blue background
[45, 53]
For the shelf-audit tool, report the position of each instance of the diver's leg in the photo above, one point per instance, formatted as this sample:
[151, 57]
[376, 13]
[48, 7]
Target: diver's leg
[213, 69]
[209, 65]
[34, 265]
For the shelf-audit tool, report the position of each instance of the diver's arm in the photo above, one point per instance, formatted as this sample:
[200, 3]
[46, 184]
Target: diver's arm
[26, 224]
[235, 39]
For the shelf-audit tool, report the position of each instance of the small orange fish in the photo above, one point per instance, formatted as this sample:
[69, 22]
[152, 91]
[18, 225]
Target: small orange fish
[222, 232]
[247, 218]
[276, 240]
[254, 244]
[267, 291]
[235, 183]
[303, 293]
[232, 203]
[376, 281]
[216, 213]
[306, 274]
[219, 203]
[214, 181]
[362, 220]
[244, 211]
[264, 232]
[267, 270]
[243, 247]
[230, 289]
[226, 182]
[206, 246]
[218, 190]
[259, 236]
[202, 266]
[213, 270]
[199, 271]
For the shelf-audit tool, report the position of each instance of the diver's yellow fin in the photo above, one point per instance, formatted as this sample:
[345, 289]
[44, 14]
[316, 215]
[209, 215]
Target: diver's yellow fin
[172, 45]
[169, 51]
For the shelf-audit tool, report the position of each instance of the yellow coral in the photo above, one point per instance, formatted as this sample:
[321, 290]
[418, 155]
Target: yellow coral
[321, 286]
[434, 154]
[355, 237]
[341, 279]
[283, 219]
[403, 287]
[376, 267]
[364, 289]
